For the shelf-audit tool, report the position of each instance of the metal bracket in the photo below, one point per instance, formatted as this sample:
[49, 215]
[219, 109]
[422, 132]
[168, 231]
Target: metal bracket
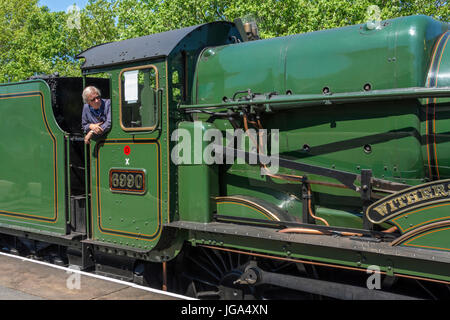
[389, 268]
[306, 218]
[366, 191]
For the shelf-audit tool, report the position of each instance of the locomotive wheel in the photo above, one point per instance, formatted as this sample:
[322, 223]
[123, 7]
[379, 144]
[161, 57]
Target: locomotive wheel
[208, 274]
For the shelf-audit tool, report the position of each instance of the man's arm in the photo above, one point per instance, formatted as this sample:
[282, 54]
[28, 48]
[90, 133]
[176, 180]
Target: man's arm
[84, 121]
[88, 137]
[107, 124]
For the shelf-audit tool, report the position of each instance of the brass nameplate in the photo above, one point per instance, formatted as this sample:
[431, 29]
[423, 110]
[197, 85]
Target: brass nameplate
[418, 196]
[127, 181]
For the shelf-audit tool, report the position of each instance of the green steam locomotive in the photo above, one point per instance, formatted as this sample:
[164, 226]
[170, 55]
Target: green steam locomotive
[312, 165]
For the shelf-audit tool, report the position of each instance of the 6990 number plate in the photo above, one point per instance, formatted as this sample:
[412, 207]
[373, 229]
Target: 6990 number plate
[127, 181]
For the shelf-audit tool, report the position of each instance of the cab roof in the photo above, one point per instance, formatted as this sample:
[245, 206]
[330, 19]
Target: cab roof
[141, 48]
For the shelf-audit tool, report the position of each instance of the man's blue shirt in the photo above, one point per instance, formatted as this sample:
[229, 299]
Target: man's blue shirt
[92, 116]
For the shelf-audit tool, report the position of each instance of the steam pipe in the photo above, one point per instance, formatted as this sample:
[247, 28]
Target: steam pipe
[305, 100]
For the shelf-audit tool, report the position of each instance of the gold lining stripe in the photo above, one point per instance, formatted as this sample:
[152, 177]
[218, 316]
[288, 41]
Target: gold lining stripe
[420, 232]
[428, 101]
[259, 208]
[436, 74]
[53, 219]
[422, 246]
[158, 227]
[149, 66]
[422, 223]
[241, 204]
[434, 101]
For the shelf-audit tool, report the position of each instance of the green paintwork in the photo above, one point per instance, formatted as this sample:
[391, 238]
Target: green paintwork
[32, 176]
[336, 137]
[130, 220]
[197, 182]
[338, 218]
[243, 179]
[317, 251]
[197, 201]
[132, 216]
[396, 56]
[240, 210]
[437, 111]
[414, 218]
[435, 239]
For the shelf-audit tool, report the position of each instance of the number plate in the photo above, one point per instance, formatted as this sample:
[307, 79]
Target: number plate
[127, 181]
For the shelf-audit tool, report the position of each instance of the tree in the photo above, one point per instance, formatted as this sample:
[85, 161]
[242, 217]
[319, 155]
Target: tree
[34, 40]
[98, 23]
[275, 17]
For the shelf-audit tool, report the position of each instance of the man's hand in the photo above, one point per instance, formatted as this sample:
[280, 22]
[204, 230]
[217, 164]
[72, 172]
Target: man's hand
[87, 137]
[96, 127]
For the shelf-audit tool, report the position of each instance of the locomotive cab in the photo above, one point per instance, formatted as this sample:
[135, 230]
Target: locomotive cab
[67, 104]
[133, 183]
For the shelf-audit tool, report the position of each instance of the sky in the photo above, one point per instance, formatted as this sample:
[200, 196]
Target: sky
[62, 5]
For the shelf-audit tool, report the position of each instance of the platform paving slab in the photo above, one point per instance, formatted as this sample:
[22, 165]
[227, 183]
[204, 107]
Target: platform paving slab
[20, 280]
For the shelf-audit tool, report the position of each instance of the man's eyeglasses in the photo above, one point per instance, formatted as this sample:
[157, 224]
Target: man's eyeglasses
[95, 98]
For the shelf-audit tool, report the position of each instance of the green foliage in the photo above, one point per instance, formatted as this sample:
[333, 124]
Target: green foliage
[97, 23]
[34, 40]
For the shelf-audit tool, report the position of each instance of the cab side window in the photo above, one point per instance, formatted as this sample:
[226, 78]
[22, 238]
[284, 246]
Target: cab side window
[138, 99]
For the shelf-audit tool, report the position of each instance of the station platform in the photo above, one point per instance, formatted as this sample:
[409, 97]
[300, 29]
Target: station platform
[25, 279]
